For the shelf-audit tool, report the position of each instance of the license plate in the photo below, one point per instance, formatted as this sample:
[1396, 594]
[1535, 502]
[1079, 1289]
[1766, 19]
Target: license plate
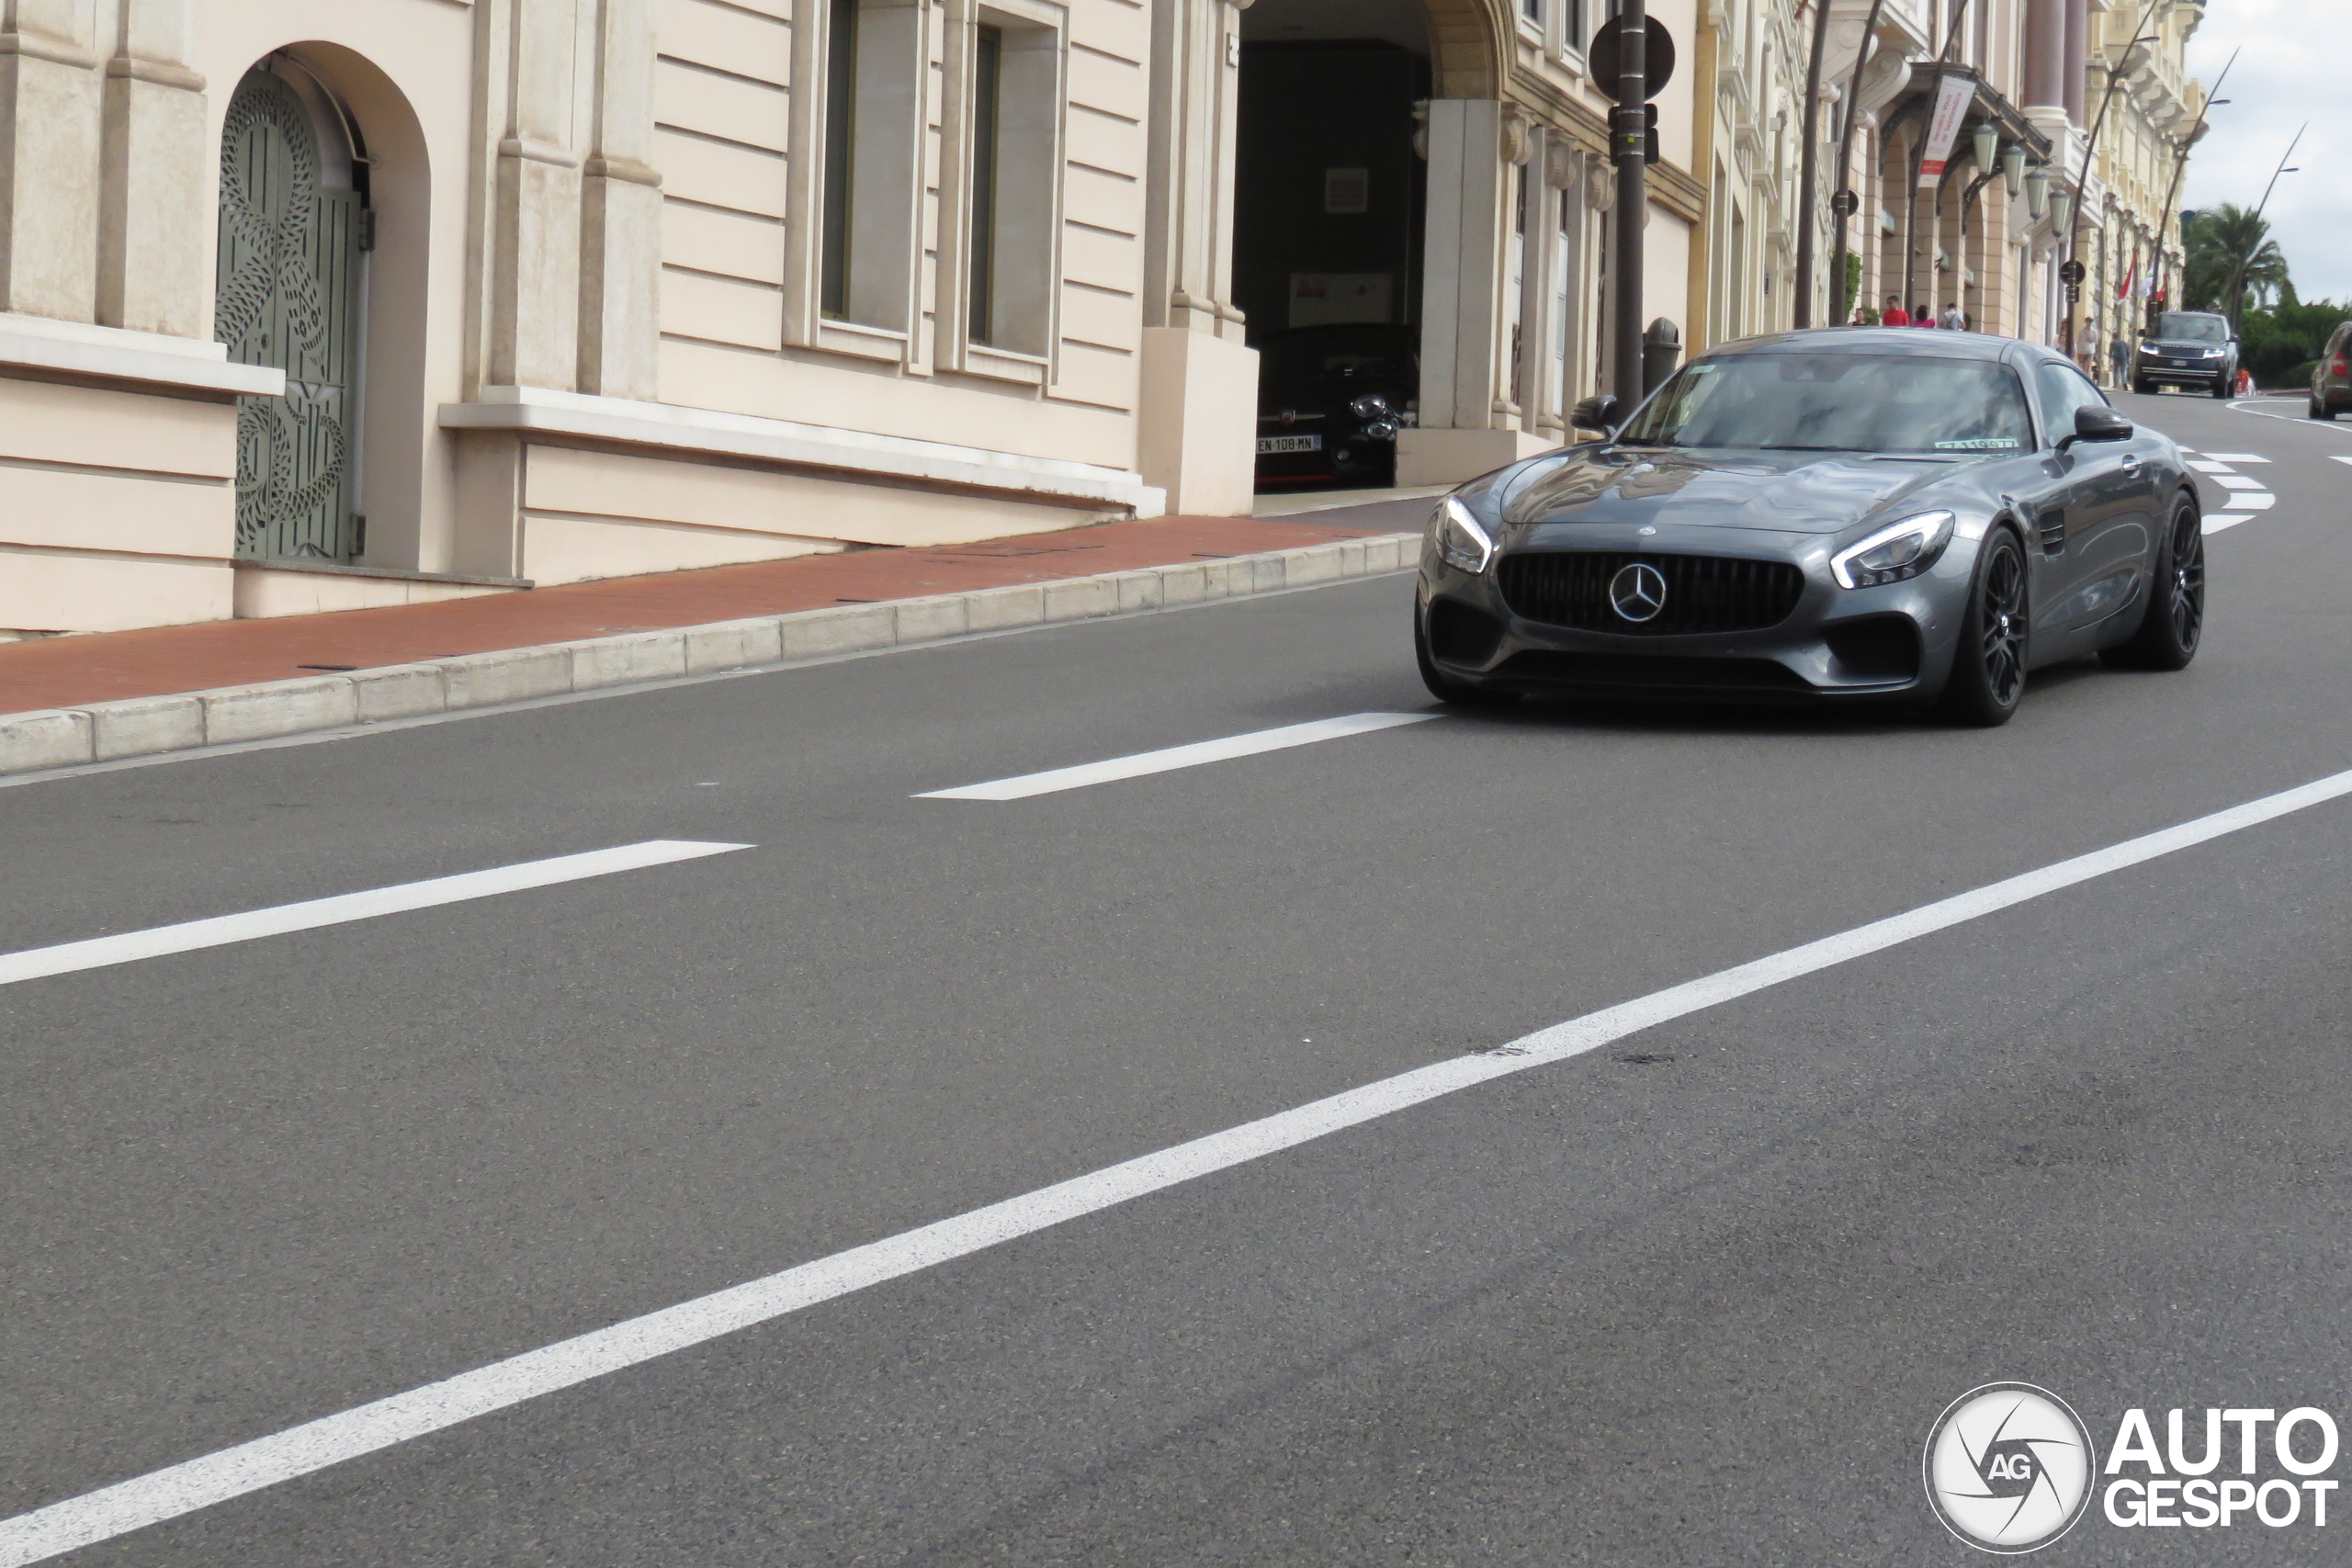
[1290, 443]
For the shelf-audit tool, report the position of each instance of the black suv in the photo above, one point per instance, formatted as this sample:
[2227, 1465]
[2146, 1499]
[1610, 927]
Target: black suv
[1330, 401]
[2194, 350]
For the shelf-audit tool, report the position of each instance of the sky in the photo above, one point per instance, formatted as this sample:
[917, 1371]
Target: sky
[2296, 66]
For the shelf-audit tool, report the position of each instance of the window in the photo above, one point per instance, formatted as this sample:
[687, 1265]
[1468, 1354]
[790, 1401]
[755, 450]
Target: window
[1014, 79]
[2063, 389]
[1843, 402]
[872, 133]
[987, 82]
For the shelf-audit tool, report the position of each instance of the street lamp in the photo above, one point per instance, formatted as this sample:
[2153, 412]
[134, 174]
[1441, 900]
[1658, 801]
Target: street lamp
[2013, 168]
[2059, 204]
[1988, 144]
[2037, 193]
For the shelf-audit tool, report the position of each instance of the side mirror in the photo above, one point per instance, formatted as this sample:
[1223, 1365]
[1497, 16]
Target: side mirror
[2097, 422]
[1596, 413]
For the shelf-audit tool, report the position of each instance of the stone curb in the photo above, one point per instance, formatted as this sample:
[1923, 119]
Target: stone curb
[137, 727]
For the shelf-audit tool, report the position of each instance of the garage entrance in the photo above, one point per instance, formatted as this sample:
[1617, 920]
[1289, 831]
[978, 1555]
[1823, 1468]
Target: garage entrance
[1328, 200]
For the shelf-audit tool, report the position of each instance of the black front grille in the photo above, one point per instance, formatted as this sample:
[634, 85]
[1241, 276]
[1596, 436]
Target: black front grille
[1703, 593]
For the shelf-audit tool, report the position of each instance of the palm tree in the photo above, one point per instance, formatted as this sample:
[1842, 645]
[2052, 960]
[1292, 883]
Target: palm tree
[2231, 245]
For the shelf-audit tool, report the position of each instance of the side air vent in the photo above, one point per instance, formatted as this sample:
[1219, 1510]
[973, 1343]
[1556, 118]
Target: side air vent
[2053, 522]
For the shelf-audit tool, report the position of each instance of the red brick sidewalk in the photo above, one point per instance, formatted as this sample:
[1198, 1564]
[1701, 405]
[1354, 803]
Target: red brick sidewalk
[65, 671]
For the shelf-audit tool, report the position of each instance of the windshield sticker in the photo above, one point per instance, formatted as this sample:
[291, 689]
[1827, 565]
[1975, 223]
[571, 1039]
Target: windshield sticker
[1980, 443]
[1704, 370]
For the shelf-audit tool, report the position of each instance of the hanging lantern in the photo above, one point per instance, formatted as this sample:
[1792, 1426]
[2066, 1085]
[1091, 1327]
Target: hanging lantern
[2013, 168]
[2037, 192]
[1988, 144]
[2060, 202]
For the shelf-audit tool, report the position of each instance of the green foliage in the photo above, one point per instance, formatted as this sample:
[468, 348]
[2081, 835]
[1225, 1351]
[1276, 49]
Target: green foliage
[1853, 287]
[2279, 342]
[2220, 242]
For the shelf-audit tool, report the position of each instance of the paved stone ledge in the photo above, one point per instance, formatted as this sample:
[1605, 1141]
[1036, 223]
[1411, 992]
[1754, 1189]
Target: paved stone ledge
[135, 726]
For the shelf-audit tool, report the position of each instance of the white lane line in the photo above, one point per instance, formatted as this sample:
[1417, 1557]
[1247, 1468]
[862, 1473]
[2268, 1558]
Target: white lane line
[2238, 481]
[2237, 456]
[221, 929]
[2340, 456]
[2254, 500]
[2205, 465]
[231, 1473]
[1176, 756]
[2221, 520]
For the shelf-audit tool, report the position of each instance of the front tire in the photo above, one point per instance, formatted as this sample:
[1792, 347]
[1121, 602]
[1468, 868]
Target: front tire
[2174, 622]
[1447, 689]
[2221, 388]
[2319, 409]
[1988, 678]
[2145, 388]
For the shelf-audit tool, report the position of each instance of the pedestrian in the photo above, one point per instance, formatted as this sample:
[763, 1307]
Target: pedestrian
[1895, 316]
[1924, 315]
[2087, 350]
[1955, 319]
[2119, 357]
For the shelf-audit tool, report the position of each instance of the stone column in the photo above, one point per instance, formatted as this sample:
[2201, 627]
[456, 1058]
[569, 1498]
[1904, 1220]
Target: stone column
[2045, 53]
[1198, 418]
[2076, 60]
[159, 190]
[620, 216]
[49, 93]
[535, 252]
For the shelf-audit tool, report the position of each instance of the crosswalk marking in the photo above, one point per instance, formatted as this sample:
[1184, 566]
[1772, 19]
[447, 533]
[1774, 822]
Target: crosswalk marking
[2221, 520]
[2236, 456]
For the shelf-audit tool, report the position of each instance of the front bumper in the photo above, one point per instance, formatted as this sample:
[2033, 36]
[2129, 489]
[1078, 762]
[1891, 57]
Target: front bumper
[1894, 643]
[2164, 373]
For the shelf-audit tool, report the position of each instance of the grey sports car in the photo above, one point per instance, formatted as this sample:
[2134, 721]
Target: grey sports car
[1845, 517]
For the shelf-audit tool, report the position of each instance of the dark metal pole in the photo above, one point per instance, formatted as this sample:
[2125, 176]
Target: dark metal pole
[2237, 279]
[1628, 143]
[1809, 182]
[1846, 151]
[2180, 167]
[2090, 154]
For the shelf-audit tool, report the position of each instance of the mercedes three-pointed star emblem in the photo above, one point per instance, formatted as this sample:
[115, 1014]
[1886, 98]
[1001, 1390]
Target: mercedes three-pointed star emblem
[1638, 592]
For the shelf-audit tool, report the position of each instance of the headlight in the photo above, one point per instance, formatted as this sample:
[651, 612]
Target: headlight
[1896, 552]
[1460, 542]
[2149, 349]
[2215, 353]
[1372, 405]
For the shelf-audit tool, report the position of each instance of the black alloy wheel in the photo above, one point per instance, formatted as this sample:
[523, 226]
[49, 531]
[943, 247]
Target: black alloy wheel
[1988, 668]
[2222, 384]
[2174, 622]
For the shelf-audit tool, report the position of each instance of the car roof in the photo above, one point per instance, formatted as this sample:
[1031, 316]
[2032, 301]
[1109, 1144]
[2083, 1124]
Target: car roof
[1907, 342]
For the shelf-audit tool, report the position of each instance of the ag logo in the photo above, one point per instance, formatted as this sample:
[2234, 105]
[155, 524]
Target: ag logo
[2010, 1467]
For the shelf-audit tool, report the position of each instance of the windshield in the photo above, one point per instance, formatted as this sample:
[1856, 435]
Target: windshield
[1360, 351]
[2183, 328]
[1837, 402]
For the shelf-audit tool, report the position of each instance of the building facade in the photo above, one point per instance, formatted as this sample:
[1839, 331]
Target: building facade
[319, 304]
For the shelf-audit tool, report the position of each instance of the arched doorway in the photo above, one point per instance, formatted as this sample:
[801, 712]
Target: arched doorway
[288, 291]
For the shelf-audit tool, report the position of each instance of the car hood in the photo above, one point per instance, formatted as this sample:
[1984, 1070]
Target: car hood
[1787, 492]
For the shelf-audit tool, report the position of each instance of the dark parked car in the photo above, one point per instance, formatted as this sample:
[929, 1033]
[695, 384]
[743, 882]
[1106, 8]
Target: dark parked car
[1850, 516]
[1330, 401]
[2332, 377]
[2194, 350]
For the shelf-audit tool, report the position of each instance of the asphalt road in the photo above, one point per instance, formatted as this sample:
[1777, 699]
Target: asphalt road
[1694, 1298]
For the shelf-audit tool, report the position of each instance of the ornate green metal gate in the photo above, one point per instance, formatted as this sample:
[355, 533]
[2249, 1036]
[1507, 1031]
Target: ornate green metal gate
[288, 297]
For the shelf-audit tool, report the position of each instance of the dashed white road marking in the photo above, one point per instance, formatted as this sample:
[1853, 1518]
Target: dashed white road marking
[96, 952]
[2254, 500]
[2228, 481]
[2340, 456]
[230, 1472]
[2221, 520]
[1175, 757]
[2237, 456]
[2204, 466]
